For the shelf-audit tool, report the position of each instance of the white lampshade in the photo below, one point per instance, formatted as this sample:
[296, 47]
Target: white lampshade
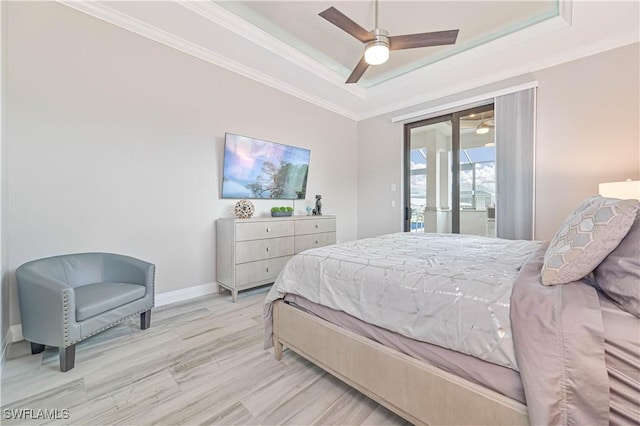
[376, 53]
[625, 190]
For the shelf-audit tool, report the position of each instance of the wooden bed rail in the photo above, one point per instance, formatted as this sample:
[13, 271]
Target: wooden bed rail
[418, 392]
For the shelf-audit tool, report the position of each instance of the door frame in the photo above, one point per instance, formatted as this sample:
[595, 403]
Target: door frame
[454, 117]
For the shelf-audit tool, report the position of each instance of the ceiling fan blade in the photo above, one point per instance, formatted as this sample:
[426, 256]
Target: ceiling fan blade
[358, 71]
[410, 41]
[345, 23]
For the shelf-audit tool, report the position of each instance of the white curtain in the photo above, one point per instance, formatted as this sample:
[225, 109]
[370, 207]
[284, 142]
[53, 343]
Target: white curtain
[515, 154]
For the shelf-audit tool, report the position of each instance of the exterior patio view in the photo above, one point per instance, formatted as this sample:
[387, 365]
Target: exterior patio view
[431, 179]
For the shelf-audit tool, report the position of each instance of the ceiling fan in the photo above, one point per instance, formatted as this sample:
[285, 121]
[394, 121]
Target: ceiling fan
[378, 43]
[482, 124]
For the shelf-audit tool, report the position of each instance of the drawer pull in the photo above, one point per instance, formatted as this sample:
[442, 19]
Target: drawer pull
[268, 270]
[317, 226]
[268, 229]
[317, 242]
[268, 249]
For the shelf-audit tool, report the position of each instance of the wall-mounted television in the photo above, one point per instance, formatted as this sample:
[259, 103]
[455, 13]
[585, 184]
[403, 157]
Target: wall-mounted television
[255, 168]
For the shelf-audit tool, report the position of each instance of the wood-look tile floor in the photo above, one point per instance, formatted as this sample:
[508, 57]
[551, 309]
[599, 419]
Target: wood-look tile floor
[201, 362]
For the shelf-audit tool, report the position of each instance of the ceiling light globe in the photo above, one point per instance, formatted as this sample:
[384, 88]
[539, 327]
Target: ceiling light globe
[376, 53]
[482, 130]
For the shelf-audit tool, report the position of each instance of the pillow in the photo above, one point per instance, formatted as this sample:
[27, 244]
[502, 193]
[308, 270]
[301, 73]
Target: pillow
[619, 274]
[586, 237]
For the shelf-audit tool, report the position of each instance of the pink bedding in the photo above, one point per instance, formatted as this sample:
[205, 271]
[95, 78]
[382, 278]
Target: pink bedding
[579, 354]
[622, 356]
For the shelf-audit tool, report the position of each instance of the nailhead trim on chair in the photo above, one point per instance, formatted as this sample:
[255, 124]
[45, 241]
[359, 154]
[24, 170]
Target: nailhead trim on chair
[105, 327]
[65, 306]
[153, 285]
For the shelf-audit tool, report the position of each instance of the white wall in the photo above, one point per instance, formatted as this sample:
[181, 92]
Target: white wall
[380, 149]
[115, 144]
[588, 131]
[4, 181]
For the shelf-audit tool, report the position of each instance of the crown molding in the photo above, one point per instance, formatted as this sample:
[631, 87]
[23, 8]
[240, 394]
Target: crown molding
[112, 16]
[239, 26]
[377, 100]
[515, 71]
[563, 20]
[465, 101]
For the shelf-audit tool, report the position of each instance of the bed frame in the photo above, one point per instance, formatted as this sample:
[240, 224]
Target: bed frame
[416, 391]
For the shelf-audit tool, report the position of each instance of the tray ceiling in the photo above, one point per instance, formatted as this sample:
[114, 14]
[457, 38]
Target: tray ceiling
[286, 45]
[298, 25]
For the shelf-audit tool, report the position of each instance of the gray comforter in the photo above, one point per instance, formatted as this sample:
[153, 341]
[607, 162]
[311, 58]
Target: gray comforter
[445, 289]
[475, 295]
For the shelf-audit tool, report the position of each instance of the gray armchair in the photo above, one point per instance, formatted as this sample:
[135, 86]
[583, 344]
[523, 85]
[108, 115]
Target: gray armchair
[65, 299]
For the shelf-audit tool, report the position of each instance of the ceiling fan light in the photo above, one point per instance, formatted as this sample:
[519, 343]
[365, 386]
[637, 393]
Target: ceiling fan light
[483, 128]
[376, 53]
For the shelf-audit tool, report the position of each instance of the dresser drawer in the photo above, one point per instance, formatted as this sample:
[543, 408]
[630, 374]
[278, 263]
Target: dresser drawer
[313, 226]
[305, 242]
[252, 250]
[267, 229]
[262, 270]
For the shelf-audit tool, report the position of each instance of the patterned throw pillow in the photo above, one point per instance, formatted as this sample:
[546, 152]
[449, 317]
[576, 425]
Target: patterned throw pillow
[586, 237]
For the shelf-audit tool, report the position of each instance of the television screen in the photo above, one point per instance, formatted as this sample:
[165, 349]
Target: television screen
[254, 168]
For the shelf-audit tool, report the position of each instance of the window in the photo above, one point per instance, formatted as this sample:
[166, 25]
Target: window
[446, 196]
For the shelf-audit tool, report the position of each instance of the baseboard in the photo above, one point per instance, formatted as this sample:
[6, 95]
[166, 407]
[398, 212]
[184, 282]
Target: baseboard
[14, 334]
[186, 293]
[5, 344]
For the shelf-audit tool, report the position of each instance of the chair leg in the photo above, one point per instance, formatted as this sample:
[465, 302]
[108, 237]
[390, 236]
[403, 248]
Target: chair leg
[145, 320]
[36, 348]
[67, 358]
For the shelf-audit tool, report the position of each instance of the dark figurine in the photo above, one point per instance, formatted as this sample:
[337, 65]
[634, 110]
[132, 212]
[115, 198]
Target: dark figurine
[318, 210]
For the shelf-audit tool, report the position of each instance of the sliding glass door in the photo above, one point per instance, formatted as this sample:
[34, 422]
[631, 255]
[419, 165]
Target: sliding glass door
[477, 173]
[447, 196]
[428, 170]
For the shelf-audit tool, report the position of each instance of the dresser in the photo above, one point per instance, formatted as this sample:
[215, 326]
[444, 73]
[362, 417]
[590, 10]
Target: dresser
[252, 252]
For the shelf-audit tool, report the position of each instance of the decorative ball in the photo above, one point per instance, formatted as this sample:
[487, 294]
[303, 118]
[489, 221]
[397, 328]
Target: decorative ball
[244, 209]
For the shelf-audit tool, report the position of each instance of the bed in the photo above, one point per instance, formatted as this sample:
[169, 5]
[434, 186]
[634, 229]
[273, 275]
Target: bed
[501, 347]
